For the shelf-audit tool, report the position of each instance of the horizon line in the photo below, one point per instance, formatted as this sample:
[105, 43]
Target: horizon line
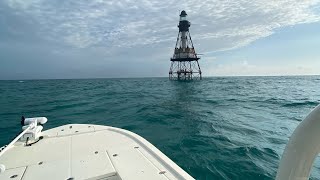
[139, 77]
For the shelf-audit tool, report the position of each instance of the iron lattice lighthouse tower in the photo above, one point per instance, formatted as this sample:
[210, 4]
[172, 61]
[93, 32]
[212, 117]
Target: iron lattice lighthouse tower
[184, 63]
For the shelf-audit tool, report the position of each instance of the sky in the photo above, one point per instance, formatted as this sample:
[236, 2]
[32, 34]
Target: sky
[54, 39]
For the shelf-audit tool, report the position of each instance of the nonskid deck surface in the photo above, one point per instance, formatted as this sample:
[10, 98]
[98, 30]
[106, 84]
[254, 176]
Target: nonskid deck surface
[79, 151]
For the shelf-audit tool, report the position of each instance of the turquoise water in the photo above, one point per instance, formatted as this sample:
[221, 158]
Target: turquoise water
[217, 128]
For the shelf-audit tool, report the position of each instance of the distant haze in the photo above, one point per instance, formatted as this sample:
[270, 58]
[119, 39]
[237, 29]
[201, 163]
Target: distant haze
[44, 39]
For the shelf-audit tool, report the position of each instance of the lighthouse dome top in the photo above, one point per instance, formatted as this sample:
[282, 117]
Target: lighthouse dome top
[183, 16]
[183, 13]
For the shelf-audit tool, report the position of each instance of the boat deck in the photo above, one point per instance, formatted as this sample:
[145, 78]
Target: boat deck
[79, 151]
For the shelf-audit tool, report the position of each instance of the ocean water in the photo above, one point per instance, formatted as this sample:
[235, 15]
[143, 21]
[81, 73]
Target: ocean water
[217, 128]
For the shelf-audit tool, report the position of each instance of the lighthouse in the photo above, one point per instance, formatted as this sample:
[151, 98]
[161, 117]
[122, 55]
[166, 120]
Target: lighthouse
[184, 62]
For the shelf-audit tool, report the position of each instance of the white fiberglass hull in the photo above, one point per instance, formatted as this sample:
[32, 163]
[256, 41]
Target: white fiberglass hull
[81, 151]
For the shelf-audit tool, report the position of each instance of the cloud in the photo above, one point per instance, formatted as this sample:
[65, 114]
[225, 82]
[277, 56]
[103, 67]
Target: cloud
[138, 31]
[130, 23]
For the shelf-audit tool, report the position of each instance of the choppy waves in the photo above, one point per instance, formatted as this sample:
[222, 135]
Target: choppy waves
[217, 128]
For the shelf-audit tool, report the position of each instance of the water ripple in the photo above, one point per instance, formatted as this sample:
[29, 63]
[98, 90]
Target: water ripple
[217, 128]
